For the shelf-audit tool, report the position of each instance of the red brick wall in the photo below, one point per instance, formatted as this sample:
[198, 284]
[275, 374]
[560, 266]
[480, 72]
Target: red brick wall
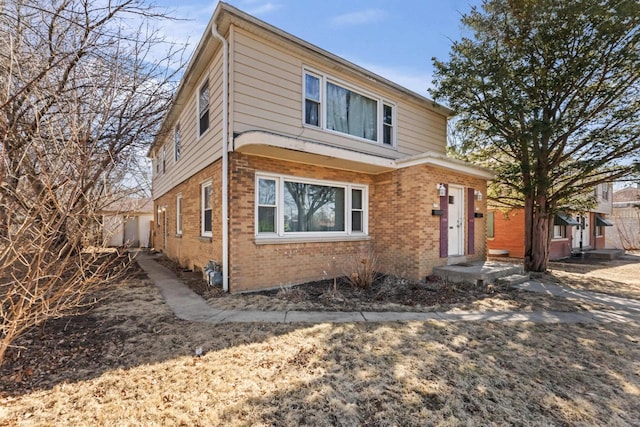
[560, 248]
[509, 235]
[191, 250]
[508, 231]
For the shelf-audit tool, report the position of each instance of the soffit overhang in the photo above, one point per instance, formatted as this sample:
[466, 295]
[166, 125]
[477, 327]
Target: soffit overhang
[271, 145]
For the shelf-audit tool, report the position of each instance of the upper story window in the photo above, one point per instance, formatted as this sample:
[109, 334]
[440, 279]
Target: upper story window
[176, 142]
[164, 159]
[287, 206]
[605, 192]
[332, 106]
[312, 100]
[203, 108]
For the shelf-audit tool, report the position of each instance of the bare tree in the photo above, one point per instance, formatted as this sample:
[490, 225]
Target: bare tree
[85, 85]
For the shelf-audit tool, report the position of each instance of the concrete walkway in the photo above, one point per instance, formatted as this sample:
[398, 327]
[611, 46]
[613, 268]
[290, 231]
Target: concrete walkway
[190, 306]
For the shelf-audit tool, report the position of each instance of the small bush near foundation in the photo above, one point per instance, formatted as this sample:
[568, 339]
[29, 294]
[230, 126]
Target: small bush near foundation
[361, 269]
[292, 294]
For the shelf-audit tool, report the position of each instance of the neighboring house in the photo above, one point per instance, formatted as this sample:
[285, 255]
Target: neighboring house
[280, 161]
[572, 232]
[127, 222]
[625, 233]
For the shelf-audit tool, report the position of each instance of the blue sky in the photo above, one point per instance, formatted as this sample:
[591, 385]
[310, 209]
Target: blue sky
[395, 39]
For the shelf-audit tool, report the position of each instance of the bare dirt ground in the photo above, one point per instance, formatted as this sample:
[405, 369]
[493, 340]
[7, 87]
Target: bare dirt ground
[131, 362]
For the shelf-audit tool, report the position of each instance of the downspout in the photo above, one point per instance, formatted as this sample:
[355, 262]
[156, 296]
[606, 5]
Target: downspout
[225, 157]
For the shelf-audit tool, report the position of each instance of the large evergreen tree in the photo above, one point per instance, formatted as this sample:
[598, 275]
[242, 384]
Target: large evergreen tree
[550, 93]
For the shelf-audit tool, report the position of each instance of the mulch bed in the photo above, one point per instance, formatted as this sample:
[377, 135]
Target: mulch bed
[347, 297]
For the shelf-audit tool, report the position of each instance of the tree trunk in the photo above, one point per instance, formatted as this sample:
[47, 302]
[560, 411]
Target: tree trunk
[536, 241]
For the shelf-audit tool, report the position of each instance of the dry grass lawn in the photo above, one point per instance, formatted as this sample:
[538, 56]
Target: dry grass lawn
[140, 369]
[620, 277]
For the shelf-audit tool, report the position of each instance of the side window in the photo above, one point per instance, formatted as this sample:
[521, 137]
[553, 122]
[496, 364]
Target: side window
[179, 214]
[203, 108]
[176, 142]
[357, 211]
[387, 124]
[490, 224]
[559, 231]
[164, 159]
[267, 205]
[311, 100]
[207, 210]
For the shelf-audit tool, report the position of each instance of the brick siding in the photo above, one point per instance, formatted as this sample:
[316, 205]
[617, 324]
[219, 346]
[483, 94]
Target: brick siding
[190, 249]
[402, 230]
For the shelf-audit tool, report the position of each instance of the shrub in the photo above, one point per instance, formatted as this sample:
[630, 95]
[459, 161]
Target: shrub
[361, 269]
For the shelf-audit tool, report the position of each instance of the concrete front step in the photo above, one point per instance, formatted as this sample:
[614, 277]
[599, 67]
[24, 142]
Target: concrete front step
[477, 273]
[606, 254]
[514, 279]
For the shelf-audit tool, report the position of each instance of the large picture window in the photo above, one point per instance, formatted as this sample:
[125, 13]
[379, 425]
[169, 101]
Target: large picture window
[335, 107]
[287, 206]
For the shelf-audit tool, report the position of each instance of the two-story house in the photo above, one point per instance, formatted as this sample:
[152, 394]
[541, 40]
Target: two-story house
[572, 232]
[280, 161]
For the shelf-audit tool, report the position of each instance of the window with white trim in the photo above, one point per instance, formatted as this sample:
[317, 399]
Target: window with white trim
[206, 210]
[176, 142]
[559, 231]
[203, 108]
[490, 225]
[337, 107]
[164, 159]
[290, 207]
[179, 214]
[605, 192]
[312, 100]
[599, 231]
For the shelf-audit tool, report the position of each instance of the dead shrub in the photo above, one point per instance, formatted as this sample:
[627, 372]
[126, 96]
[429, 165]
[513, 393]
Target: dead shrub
[361, 269]
[292, 294]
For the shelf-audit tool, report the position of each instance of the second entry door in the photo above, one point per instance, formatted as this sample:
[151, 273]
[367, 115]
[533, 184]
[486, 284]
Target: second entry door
[456, 221]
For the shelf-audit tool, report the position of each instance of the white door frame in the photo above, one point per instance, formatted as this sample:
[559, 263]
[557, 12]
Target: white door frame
[456, 221]
[586, 232]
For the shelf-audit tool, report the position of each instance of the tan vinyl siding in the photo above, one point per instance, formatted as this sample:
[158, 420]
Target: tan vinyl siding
[197, 152]
[420, 130]
[267, 87]
[267, 95]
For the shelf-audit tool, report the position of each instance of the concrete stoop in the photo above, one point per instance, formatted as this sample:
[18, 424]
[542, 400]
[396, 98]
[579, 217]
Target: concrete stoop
[479, 273]
[604, 254]
[514, 279]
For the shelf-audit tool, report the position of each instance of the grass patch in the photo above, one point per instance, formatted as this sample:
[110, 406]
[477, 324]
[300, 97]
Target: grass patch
[131, 362]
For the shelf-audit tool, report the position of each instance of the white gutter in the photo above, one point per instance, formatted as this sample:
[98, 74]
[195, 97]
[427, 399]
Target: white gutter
[225, 157]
